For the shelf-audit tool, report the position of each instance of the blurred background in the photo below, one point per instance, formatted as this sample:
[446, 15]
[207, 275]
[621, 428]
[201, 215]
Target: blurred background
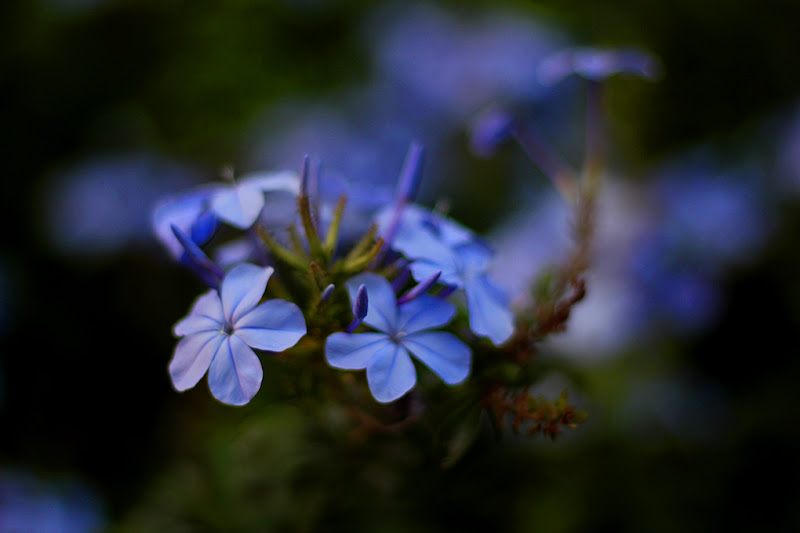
[685, 352]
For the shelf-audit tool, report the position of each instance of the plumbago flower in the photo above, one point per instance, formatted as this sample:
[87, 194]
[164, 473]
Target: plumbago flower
[319, 270]
[403, 328]
[436, 244]
[597, 64]
[222, 329]
[199, 212]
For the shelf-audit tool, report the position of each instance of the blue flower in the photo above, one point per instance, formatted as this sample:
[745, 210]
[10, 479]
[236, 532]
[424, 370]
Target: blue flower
[437, 244]
[240, 204]
[35, 505]
[188, 212]
[198, 212]
[403, 329]
[597, 64]
[221, 329]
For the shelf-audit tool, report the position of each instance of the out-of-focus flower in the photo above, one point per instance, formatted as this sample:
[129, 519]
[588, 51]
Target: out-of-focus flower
[714, 215]
[457, 66]
[103, 204]
[404, 328]
[223, 327]
[597, 64]
[189, 213]
[36, 506]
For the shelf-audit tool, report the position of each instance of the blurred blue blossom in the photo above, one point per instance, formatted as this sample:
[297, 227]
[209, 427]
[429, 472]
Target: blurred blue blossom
[103, 204]
[597, 64]
[434, 70]
[457, 65]
[190, 213]
[672, 290]
[33, 505]
[404, 328]
[714, 215]
[221, 329]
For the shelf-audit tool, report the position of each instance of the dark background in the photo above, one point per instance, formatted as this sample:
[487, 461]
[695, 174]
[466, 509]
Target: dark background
[85, 339]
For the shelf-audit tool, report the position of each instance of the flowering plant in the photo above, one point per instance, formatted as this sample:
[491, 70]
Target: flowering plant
[416, 286]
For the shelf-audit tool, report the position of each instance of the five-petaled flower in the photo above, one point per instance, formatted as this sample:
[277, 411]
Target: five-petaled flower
[223, 327]
[403, 328]
[437, 244]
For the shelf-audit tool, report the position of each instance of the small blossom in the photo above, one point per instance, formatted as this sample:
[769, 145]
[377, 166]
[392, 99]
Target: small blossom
[190, 214]
[597, 64]
[437, 244]
[490, 129]
[223, 327]
[403, 329]
[240, 204]
[198, 212]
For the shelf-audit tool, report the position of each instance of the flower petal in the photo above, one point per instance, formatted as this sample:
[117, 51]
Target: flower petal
[206, 315]
[239, 205]
[235, 373]
[390, 373]
[274, 325]
[489, 314]
[382, 313]
[425, 312]
[443, 353]
[424, 269]
[183, 212]
[286, 180]
[192, 356]
[242, 288]
[473, 257]
[353, 351]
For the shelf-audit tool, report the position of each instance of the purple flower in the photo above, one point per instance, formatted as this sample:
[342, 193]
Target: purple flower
[189, 213]
[221, 329]
[403, 329]
[240, 204]
[198, 212]
[35, 505]
[102, 205]
[455, 65]
[597, 64]
[437, 244]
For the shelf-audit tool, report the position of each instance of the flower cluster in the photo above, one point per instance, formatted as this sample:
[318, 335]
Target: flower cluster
[407, 286]
[230, 321]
